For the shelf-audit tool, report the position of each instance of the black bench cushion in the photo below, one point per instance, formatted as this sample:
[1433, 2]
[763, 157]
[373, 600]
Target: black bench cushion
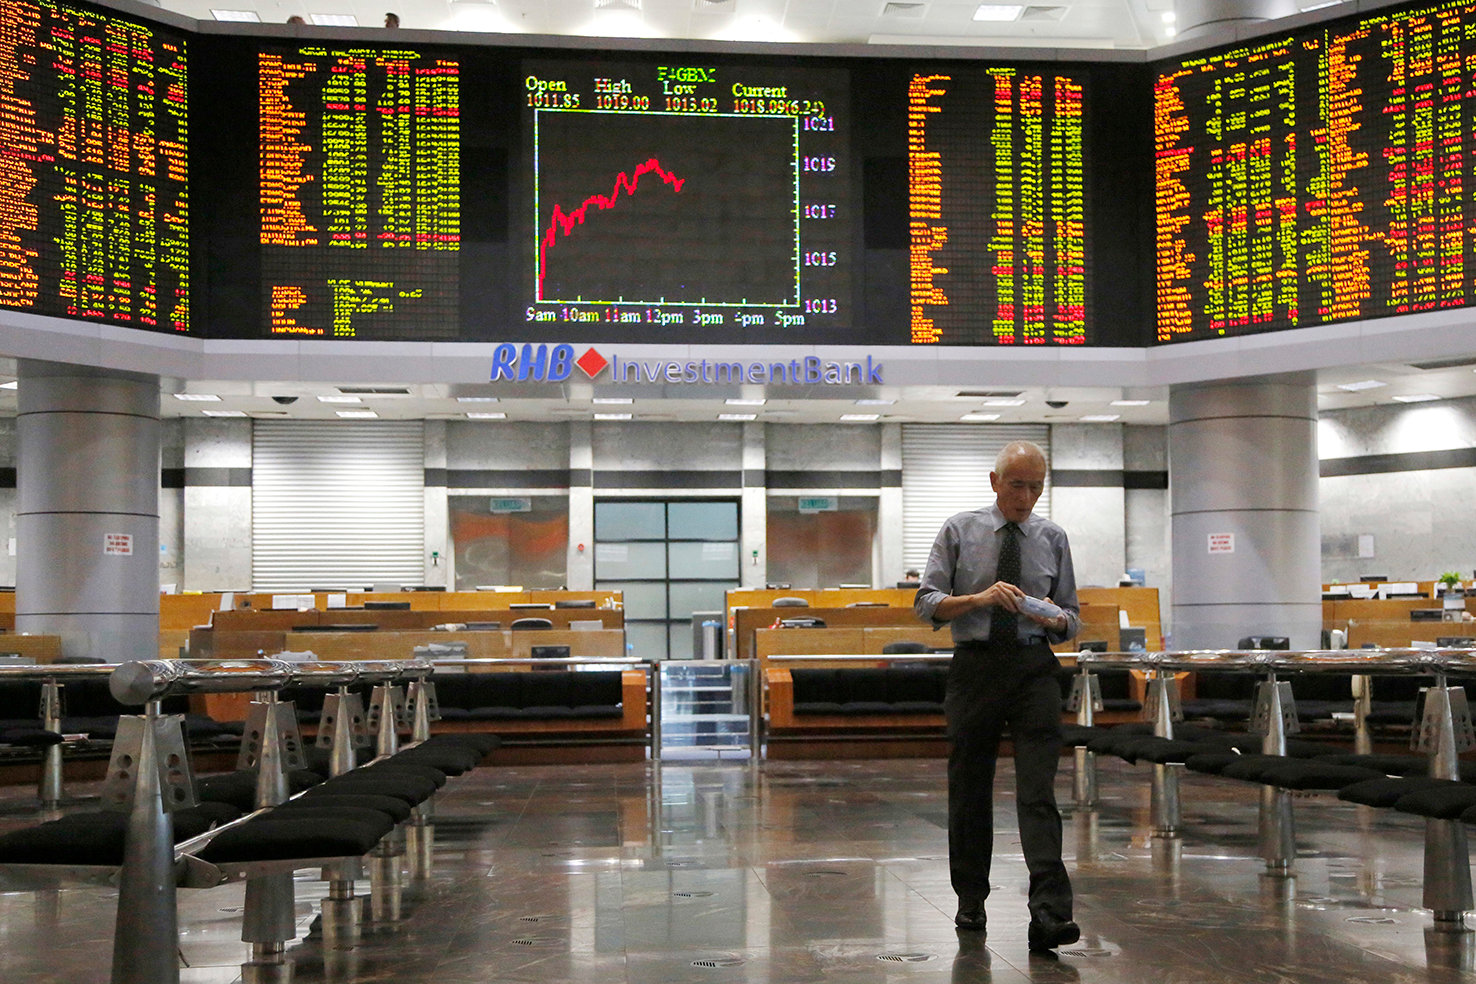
[1308, 774]
[396, 809]
[347, 833]
[97, 838]
[538, 694]
[869, 690]
[1385, 791]
[1446, 801]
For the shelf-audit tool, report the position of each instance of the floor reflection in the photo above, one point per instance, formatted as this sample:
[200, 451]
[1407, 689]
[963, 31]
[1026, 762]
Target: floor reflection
[799, 873]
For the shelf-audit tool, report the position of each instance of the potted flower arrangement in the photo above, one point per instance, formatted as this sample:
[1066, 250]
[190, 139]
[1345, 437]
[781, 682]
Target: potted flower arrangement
[1454, 594]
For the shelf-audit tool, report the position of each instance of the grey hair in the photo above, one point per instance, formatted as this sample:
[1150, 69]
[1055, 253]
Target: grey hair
[1017, 449]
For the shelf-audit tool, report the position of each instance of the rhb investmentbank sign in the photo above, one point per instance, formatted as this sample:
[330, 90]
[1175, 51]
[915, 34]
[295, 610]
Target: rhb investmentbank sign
[556, 363]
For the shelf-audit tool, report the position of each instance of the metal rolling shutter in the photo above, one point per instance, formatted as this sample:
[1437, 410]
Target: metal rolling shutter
[337, 504]
[945, 470]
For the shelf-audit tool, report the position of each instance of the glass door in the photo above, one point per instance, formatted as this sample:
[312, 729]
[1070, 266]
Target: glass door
[671, 558]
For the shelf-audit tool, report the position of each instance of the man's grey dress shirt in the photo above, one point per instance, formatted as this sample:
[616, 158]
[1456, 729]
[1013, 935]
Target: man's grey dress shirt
[964, 559]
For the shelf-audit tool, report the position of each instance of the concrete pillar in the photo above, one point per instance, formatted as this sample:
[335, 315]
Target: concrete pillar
[1087, 498]
[1195, 17]
[1243, 499]
[217, 504]
[891, 550]
[88, 518]
[581, 505]
[753, 511]
[440, 558]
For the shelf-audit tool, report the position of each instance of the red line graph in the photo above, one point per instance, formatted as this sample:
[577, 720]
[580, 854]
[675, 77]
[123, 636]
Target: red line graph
[567, 222]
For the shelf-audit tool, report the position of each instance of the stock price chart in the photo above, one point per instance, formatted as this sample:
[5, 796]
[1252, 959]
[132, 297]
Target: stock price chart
[997, 208]
[94, 149]
[1318, 177]
[360, 190]
[687, 194]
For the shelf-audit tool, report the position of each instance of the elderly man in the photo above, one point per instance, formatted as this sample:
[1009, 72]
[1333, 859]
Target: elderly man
[987, 572]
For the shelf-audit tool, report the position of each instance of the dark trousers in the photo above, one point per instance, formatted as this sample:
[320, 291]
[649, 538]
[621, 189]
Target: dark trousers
[991, 689]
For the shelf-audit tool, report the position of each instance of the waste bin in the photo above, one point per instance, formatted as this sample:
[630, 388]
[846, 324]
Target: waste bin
[707, 635]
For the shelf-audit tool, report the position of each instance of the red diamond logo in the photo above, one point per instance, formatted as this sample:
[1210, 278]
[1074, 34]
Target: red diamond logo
[592, 362]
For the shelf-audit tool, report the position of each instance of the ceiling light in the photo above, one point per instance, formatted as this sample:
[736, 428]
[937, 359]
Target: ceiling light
[612, 416]
[334, 20]
[197, 397]
[1131, 403]
[613, 400]
[486, 415]
[1416, 398]
[998, 11]
[13, 384]
[339, 399]
[1365, 384]
[860, 417]
[1004, 403]
[1100, 418]
[224, 413]
[875, 403]
[477, 399]
[978, 418]
[737, 401]
[236, 16]
[357, 414]
[1168, 16]
[737, 416]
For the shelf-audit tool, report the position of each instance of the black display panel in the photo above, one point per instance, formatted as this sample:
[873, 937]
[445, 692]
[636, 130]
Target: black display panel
[480, 193]
[94, 167]
[687, 194]
[1318, 176]
[998, 208]
[360, 192]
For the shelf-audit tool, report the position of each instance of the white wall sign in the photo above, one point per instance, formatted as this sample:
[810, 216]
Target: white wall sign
[1221, 543]
[118, 544]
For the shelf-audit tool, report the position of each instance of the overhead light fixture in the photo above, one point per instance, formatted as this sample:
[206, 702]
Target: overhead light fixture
[1364, 384]
[613, 400]
[1168, 16]
[13, 384]
[738, 401]
[737, 416]
[236, 16]
[860, 417]
[1416, 398]
[197, 397]
[339, 399]
[477, 399]
[612, 416]
[357, 414]
[486, 415]
[993, 12]
[334, 20]
[875, 403]
[1004, 403]
[978, 418]
[224, 413]
[1131, 403]
[1100, 418]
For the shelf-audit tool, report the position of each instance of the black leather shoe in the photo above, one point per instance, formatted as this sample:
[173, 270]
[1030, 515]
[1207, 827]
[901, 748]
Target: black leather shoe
[1049, 935]
[970, 915]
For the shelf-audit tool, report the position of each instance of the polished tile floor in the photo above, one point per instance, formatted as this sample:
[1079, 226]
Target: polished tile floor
[805, 872]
